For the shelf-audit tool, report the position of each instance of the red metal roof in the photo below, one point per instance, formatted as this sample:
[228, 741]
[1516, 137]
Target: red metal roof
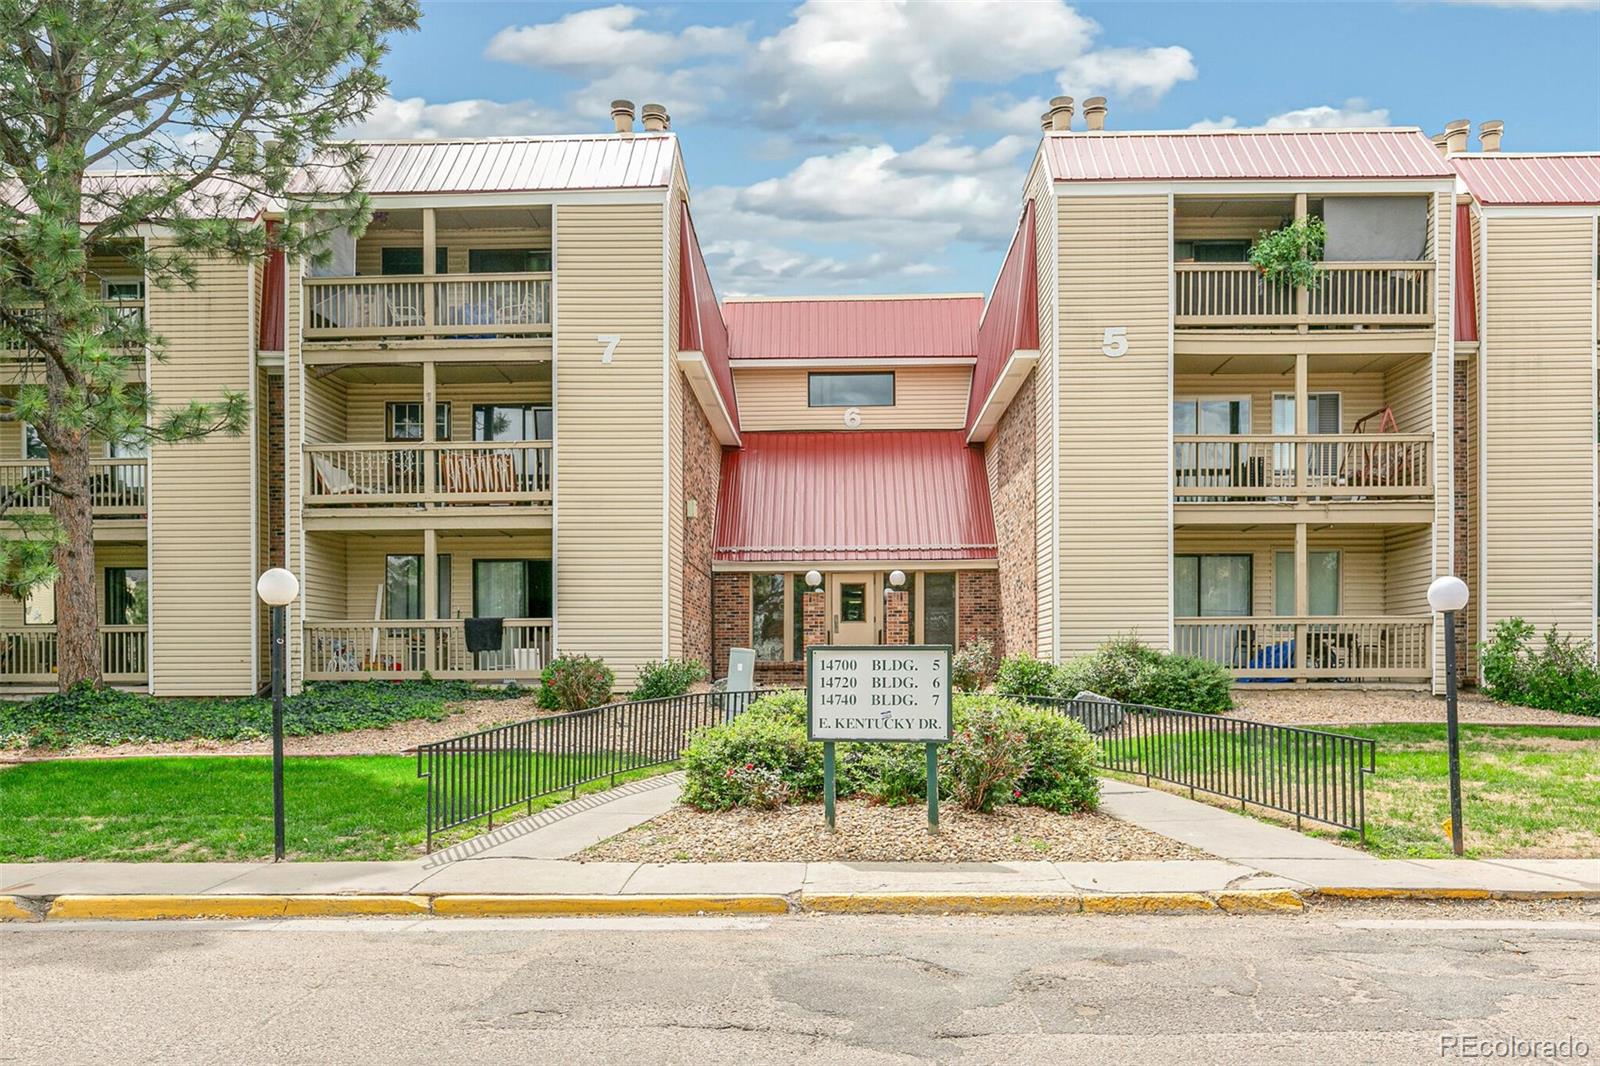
[1244, 155]
[866, 327]
[1497, 178]
[1011, 320]
[1466, 283]
[700, 324]
[875, 494]
[519, 164]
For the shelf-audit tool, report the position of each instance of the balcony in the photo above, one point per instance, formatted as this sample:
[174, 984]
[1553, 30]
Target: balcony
[364, 475]
[127, 313]
[474, 307]
[355, 651]
[1372, 469]
[1313, 648]
[1348, 295]
[28, 655]
[117, 487]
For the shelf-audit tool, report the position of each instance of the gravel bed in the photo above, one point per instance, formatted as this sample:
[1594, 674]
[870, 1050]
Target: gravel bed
[1285, 705]
[869, 833]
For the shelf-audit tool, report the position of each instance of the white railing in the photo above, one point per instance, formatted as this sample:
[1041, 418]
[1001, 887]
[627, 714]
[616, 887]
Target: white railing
[353, 650]
[1346, 294]
[469, 306]
[130, 312]
[1319, 648]
[29, 654]
[1220, 468]
[363, 474]
[116, 486]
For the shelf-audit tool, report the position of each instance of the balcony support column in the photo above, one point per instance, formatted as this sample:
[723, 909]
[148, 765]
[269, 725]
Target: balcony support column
[1302, 296]
[430, 600]
[1302, 595]
[430, 432]
[430, 242]
[1302, 425]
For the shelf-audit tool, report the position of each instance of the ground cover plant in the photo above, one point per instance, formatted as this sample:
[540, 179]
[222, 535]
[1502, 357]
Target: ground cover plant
[94, 715]
[1556, 674]
[1125, 670]
[1001, 752]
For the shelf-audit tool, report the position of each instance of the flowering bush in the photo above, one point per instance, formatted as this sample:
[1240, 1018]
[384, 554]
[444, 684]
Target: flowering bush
[768, 737]
[761, 788]
[972, 666]
[986, 758]
[573, 682]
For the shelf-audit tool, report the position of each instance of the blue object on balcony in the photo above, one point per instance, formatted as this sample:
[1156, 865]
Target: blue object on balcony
[1271, 657]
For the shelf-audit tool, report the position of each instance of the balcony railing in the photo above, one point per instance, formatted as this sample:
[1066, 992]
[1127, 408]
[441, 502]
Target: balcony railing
[467, 306]
[354, 475]
[126, 311]
[353, 651]
[1286, 468]
[1346, 294]
[1318, 648]
[117, 487]
[29, 654]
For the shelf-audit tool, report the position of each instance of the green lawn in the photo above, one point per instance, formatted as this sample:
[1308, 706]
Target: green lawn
[215, 809]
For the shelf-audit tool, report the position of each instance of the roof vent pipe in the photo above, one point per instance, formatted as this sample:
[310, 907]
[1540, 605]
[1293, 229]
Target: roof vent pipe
[1094, 112]
[622, 115]
[1044, 122]
[1456, 133]
[1489, 135]
[655, 118]
[1060, 114]
[1442, 143]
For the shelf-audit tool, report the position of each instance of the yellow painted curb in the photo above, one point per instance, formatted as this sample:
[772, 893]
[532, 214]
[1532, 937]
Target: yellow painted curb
[12, 911]
[499, 906]
[1147, 903]
[1406, 893]
[1259, 901]
[147, 908]
[940, 903]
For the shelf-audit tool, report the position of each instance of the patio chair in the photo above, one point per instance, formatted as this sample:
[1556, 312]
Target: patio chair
[336, 482]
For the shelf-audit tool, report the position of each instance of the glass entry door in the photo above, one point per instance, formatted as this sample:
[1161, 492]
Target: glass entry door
[855, 601]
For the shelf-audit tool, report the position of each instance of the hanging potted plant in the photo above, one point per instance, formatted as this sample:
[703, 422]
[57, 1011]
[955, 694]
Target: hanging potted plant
[1291, 253]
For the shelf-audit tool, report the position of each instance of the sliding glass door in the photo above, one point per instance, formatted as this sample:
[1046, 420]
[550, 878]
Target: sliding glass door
[518, 422]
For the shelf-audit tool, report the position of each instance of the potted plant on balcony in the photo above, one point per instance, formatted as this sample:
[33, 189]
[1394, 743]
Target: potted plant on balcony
[1291, 253]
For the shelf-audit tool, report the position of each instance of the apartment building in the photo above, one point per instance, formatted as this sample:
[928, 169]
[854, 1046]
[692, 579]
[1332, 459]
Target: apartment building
[517, 396]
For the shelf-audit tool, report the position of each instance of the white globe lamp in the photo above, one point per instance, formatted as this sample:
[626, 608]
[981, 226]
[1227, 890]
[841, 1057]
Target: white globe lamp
[897, 578]
[813, 579]
[277, 587]
[1448, 593]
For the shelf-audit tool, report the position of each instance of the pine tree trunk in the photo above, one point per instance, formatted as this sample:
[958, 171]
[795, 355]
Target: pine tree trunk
[77, 606]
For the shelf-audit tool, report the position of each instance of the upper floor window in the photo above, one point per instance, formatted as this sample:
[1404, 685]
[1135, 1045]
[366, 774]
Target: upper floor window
[401, 260]
[405, 421]
[1210, 251]
[507, 261]
[852, 390]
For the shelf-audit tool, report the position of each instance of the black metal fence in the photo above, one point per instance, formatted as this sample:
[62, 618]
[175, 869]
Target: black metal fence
[1308, 773]
[479, 775]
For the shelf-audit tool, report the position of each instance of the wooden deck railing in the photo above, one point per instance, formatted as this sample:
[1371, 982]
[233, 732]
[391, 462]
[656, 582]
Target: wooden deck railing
[116, 486]
[354, 475]
[1217, 468]
[130, 311]
[1312, 648]
[468, 306]
[354, 650]
[28, 654]
[1346, 294]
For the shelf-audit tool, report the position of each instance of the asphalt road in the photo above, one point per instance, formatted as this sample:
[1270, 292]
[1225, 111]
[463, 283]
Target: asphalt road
[1376, 985]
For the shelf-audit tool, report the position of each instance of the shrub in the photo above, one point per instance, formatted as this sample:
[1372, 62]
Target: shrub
[671, 677]
[765, 737]
[1185, 683]
[758, 787]
[1061, 758]
[573, 682]
[890, 774]
[1559, 676]
[987, 757]
[1504, 659]
[972, 666]
[1023, 675]
[1123, 669]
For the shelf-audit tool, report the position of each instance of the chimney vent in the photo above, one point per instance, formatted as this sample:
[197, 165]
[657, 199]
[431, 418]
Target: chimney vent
[1060, 114]
[1442, 143]
[1044, 122]
[1094, 112]
[1456, 133]
[1489, 135]
[655, 118]
[622, 115]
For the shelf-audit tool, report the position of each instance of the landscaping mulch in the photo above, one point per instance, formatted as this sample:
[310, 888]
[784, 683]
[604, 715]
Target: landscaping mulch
[1288, 705]
[870, 833]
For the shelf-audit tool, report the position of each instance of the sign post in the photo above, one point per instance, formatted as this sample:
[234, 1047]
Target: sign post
[897, 694]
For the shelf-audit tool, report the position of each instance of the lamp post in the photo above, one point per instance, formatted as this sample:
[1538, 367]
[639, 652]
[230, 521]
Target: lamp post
[277, 589]
[1448, 595]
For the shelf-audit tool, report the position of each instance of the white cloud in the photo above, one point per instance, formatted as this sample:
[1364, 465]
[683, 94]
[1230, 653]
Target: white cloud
[1226, 122]
[1355, 112]
[1140, 74]
[416, 117]
[604, 38]
[1006, 112]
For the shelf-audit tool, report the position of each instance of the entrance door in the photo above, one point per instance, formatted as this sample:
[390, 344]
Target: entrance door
[853, 603]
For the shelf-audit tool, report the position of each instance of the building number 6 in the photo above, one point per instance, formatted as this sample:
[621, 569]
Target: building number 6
[1115, 341]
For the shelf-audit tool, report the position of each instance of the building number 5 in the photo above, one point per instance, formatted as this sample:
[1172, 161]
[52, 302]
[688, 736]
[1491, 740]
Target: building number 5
[1115, 341]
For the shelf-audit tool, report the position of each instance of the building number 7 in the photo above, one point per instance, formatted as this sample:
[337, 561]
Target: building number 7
[610, 340]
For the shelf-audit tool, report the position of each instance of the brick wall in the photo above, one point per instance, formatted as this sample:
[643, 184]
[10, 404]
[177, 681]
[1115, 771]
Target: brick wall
[814, 617]
[897, 617]
[702, 459]
[978, 608]
[730, 615]
[1009, 457]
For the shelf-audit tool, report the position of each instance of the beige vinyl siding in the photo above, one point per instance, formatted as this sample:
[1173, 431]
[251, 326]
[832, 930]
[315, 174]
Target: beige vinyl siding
[457, 243]
[367, 405]
[1410, 570]
[1115, 415]
[1538, 356]
[325, 582]
[297, 547]
[925, 397]
[1408, 390]
[1442, 410]
[1363, 563]
[610, 496]
[1225, 228]
[364, 555]
[106, 554]
[1048, 276]
[1466, 481]
[674, 443]
[202, 548]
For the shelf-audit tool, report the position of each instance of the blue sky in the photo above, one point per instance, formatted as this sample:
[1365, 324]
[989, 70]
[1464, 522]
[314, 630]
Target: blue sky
[881, 147]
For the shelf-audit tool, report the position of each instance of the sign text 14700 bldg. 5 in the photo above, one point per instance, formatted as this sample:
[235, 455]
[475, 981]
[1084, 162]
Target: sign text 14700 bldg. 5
[879, 693]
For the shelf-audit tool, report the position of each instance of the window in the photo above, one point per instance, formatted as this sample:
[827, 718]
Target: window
[404, 421]
[1323, 580]
[1211, 416]
[402, 586]
[511, 421]
[512, 588]
[939, 608]
[852, 602]
[1322, 412]
[1211, 586]
[39, 605]
[767, 615]
[409, 260]
[507, 261]
[32, 446]
[127, 596]
[799, 616]
[1211, 251]
[122, 289]
[851, 390]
